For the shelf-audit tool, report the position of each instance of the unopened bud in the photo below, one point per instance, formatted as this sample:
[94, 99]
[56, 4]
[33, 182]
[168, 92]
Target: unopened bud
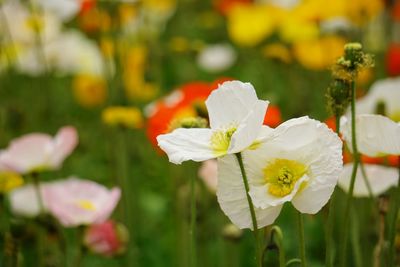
[339, 96]
[188, 122]
[232, 232]
[108, 238]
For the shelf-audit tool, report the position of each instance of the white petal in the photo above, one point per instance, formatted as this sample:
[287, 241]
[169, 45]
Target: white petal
[263, 199]
[311, 143]
[232, 198]
[187, 144]
[380, 179]
[249, 129]
[376, 135]
[230, 103]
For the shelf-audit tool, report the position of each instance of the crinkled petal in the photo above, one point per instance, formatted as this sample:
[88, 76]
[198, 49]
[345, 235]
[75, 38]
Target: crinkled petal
[187, 144]
[380, 179]
[232, 198]
[310, 143]
[376, 135]
[249, 129]
[263, 199]
[230, 103]
[64, 143]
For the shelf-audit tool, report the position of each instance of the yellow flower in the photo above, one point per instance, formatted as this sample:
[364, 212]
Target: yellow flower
[9, 181]
[248, 25]
[129, 117]
[294, 29]
[277, 51]
[361, 11]
[89, 91]
[319, 54]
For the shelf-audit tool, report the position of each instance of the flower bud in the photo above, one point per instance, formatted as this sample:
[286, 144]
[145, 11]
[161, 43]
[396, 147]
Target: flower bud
[232, 232]
[339, 96]
[108, 238]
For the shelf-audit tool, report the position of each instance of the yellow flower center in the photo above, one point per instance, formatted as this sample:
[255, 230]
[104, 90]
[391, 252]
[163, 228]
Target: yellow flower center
[86, 205]
[282, 175]
[9, 181]
[220, 140]
[395, 116]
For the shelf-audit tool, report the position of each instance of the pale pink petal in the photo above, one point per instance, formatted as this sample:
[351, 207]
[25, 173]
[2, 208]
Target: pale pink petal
[27, 153]
[64, 143]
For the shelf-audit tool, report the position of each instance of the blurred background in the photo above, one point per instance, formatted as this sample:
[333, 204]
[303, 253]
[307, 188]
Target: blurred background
[123, 72]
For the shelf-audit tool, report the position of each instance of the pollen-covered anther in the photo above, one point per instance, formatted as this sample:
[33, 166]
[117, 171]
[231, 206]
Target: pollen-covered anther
[282, 175]
[220, 140]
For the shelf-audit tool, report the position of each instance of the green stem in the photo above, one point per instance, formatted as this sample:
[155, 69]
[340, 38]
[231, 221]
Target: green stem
[393, 223]
[349, 199]
[331, 218]
[36, 185]
[302, 246]
[129, 195]
[355, 242]
[11, 250]
[193, 215]
[293, 261]
[252, 211]
[277, 238]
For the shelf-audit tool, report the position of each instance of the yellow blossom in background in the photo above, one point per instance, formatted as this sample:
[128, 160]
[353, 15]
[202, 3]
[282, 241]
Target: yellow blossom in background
[134, 62]
[129, 117]
[10, 181]
[365, 76]
[319, 54]
[249, 25]
[361, 11]
[162, 8]
[277, 51]
[294, 30]
[127, 13]
[107, 47]
[89, 91]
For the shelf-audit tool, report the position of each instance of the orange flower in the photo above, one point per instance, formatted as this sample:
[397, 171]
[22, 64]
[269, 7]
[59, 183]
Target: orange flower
[393, 60]
[273, 116]
[224, 6]
[89, 91]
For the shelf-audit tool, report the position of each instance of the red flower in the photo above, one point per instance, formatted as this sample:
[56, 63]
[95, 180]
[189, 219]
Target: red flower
[393, 60]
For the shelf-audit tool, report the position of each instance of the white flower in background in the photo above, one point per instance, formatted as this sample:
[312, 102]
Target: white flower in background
[216, 58]
[377, 135]
[380, 179]
[24, 201]
[335, 24]
[37, 151]
[73, 53]
[383, 97]
[21, 24]
[63, 9]
[208, 172]
[299, 161]
[236, 119]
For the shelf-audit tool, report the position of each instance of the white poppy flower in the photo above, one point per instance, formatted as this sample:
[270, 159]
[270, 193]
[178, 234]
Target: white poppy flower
[236, 119]
[299, 161]
[380, 179]
[376, 135]
[24, 201]
[63, 9]
[216, 58]
[384, 92]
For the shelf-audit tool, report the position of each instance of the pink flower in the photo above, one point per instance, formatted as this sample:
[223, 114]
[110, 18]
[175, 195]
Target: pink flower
[208, 172]
[77, 202]
[38, 151]
[108, 238]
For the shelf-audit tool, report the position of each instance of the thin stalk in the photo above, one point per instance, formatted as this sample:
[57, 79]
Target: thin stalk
[11, 250]
[393, 223]
[81, 249]
[355, 242]
[129, 205]
[193, 215]
[36, 185]
[302, 246]
[293, 261]
[349, 199]
[277, 238]
[331, 218]
[252, 211]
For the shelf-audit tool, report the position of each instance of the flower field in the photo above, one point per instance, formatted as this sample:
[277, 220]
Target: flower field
[218, 133]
